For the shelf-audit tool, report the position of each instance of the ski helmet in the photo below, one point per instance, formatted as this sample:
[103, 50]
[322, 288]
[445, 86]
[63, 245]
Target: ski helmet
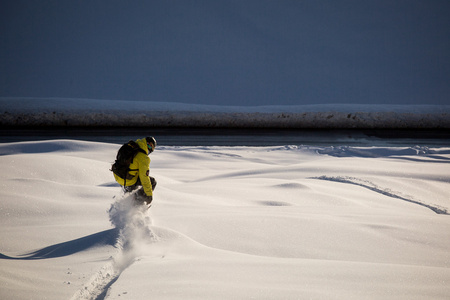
[150, 141]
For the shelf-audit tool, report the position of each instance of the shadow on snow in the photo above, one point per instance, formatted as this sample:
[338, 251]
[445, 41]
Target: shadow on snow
[103, 238]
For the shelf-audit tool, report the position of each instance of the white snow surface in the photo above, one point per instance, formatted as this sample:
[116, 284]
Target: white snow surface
[91, 112]
[286, 222]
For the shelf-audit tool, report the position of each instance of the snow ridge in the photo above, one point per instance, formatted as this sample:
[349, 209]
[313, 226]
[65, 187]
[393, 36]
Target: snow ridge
[134, 234]
[384, 191]
[91, 112]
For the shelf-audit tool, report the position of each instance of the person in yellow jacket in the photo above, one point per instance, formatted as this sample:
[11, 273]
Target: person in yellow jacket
[139, 172]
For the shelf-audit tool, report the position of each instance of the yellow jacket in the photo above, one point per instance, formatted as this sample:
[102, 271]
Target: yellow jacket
[139, 168]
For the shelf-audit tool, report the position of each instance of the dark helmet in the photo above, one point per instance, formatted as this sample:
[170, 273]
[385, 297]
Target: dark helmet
[151, 141]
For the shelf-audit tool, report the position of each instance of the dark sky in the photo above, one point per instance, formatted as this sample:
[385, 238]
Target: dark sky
[243, 52]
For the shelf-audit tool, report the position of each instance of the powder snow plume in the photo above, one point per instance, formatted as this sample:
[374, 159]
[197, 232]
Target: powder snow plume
[132, 222]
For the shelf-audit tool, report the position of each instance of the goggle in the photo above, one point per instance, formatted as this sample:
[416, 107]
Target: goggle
[150, 148]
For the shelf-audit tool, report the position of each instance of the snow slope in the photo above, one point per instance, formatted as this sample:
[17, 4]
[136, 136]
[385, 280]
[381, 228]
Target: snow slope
[88, 112]
[227, 222]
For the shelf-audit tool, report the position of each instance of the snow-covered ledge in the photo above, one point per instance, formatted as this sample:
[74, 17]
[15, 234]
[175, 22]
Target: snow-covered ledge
[89, 112]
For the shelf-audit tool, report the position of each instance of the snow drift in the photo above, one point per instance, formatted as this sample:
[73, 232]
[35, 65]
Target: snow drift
[285, 222]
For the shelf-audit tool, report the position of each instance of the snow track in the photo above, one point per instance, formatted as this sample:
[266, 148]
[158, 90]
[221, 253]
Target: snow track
[134, 233]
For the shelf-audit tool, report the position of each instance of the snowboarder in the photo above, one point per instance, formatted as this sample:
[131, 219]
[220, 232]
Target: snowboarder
[137, 172]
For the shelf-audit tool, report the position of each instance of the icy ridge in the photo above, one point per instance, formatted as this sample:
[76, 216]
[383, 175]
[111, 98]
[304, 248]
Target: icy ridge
[86, 112]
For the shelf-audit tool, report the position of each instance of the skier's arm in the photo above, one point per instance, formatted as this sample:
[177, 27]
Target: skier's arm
[144, 170]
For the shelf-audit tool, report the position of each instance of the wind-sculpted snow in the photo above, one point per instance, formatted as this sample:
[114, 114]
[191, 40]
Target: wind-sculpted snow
[384, 191]
[419, 151]
[275, 222]
[87, 112]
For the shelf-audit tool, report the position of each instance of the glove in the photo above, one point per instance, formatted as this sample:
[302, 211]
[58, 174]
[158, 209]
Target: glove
[153, 182]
